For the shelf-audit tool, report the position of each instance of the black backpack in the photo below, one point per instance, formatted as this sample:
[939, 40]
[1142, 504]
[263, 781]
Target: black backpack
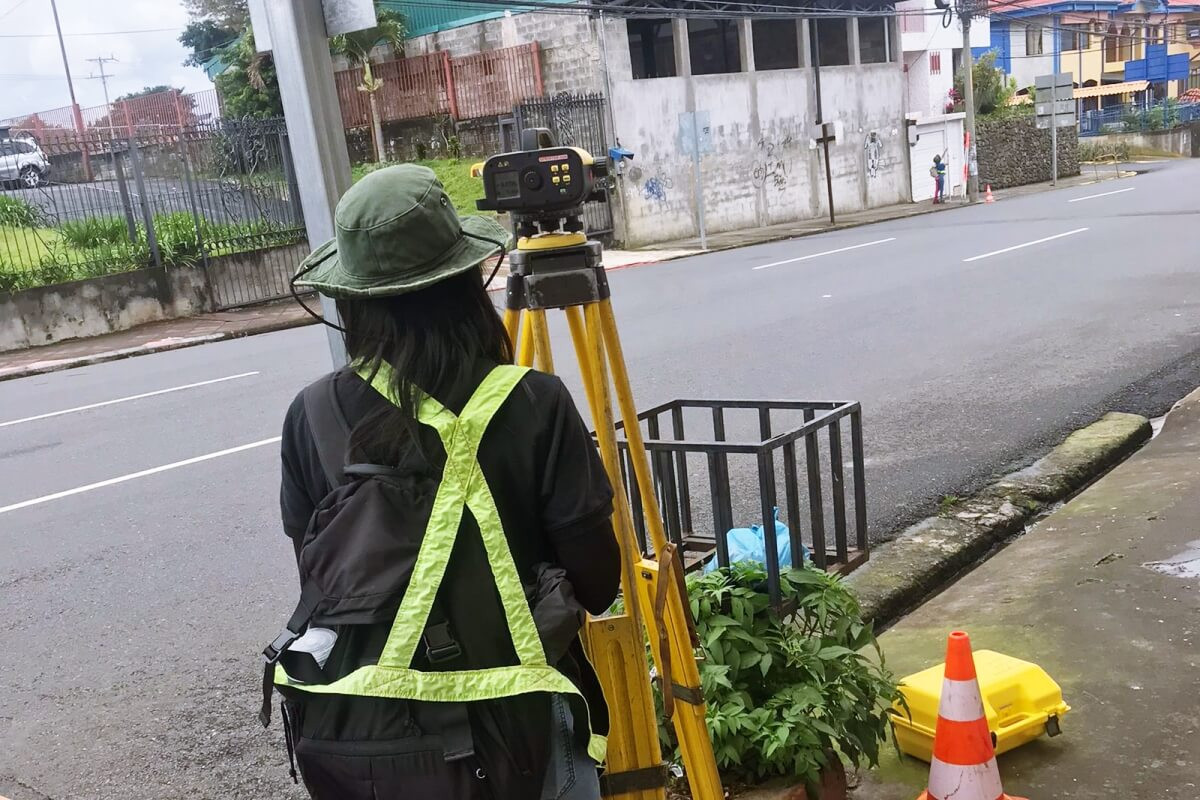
[355, 562]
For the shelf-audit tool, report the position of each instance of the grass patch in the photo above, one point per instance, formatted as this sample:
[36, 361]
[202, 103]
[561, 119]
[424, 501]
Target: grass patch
[947, 504]
[15, 212]
[455, 175]
[94, 231]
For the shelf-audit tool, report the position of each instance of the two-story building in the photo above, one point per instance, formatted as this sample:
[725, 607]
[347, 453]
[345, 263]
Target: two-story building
[1105, 44]
[932, 43]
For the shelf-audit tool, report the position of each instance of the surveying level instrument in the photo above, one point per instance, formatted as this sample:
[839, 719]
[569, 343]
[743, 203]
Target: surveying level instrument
[555, 266]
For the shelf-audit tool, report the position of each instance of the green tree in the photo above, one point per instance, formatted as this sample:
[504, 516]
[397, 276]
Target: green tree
[204, 38]
[232, 15]
[162, 87]
[248, 86]
[993, 89]
[358, 46]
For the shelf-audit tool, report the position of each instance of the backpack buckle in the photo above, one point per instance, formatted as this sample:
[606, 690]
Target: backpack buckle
[440, 646]
[275, 649]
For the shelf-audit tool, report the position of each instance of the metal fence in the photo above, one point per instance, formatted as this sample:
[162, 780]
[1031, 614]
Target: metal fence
[148, 114]
[468, 87]
[193, 197]
[794, 452]
[577, 120]
[1135, 117]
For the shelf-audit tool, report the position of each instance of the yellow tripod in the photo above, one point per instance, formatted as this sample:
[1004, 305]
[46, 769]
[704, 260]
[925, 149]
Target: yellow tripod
[564, 271]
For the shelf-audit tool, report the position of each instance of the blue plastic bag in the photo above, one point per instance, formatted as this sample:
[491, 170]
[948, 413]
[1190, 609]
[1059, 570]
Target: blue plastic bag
[750, 544]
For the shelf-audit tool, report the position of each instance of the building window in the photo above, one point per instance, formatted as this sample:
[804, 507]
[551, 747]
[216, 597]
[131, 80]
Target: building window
[1125, 52]
[715, 46]
[651, 48]
[1111, 45]
[833, 41]
[1075, 37]
[935, 63]
[872, 40]
[776, 44]
[1033, 40]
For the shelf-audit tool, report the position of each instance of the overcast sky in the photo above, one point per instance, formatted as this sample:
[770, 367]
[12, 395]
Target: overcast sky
[31, 70]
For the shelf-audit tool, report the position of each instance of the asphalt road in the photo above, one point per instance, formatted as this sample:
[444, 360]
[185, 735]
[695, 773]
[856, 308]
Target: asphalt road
[231, 200]
[134, 610]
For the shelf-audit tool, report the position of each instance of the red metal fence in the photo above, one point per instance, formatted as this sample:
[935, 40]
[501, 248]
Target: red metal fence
[483, 84]
[479, 85]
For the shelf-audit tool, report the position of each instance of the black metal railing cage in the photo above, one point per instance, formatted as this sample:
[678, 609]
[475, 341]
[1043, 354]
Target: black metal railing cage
[717, 465]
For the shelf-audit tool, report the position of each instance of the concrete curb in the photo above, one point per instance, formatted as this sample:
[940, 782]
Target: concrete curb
[159, 346]
[931, 553]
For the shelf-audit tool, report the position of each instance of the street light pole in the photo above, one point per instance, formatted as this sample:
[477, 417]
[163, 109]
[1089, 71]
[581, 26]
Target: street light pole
[968, 64]
[62, 46]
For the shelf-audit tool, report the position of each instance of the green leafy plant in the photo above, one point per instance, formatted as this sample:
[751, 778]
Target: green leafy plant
[993, 89]
[787, 692]
[19, 214]
[94, 231]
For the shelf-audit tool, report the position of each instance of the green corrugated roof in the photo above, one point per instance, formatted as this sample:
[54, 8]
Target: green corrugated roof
[428, 16]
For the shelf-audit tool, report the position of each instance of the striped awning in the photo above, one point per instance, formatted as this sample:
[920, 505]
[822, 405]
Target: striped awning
[1111, 88]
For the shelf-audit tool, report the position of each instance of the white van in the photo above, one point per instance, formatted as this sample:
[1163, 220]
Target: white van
[23, 161]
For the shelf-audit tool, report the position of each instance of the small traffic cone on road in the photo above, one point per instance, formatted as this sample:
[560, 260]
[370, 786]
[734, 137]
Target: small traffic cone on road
[964, 759]
[987, 197]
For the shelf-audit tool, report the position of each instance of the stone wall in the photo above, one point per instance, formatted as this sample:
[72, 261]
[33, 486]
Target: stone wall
[1013, 152]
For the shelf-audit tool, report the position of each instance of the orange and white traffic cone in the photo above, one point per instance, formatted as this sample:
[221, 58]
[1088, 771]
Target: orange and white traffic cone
[964, 760]
[987, 197]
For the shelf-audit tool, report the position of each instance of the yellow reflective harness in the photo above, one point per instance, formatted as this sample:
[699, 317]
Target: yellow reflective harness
[463, 486]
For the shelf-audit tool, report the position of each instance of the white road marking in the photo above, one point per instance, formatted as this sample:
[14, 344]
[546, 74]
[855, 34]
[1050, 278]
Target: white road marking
[1102, 194]
[126, 400]
[1025, 244]
[825, 253]
[135, 475]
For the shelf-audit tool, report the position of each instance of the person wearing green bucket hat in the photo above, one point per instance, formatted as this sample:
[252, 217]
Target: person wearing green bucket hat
[451, 523]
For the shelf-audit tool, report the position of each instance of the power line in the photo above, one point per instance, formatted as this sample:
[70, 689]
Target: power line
[18, 4]
[91, 33]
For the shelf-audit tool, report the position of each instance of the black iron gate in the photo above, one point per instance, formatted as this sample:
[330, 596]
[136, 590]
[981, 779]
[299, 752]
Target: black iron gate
[577, 120]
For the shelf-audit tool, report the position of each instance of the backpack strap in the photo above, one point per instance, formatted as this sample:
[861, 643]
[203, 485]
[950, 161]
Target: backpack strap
[329, 428]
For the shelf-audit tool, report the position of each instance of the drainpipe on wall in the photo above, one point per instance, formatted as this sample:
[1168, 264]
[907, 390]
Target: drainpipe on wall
[602, 25]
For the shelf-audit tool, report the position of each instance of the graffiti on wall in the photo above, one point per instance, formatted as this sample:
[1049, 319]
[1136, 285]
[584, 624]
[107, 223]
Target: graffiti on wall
[653, 188]
[873, 154]
[770, 164]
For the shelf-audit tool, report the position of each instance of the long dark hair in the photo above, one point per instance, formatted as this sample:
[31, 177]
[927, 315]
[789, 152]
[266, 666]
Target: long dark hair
[431, 338]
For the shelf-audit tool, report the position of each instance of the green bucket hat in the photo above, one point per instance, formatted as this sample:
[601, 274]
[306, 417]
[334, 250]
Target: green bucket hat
[397, 232]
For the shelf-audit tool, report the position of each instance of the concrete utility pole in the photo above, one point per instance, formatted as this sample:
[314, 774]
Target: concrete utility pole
[968, 64]
[297, 32]
[62, 46]
[100, 62]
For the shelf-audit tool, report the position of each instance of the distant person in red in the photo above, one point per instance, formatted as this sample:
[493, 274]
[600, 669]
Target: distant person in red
[938, 173]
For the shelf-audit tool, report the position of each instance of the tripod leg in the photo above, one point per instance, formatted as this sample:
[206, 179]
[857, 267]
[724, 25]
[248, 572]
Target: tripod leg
[544, 356]
[615, 643]
[633, 429]
[512, 323]
[525, 342]
[666, 623]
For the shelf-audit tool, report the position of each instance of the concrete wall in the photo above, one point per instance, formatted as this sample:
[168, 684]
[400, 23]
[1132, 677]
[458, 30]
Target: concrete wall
[761, 169]
[1013, 152]
[118, 302]
[1180, 141]
[569, 47]
[98, 306]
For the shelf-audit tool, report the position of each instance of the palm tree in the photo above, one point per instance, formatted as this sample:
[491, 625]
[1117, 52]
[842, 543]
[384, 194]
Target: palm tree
[357, 46]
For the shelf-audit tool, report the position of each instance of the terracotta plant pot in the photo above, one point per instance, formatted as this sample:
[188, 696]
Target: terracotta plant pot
[833, 785]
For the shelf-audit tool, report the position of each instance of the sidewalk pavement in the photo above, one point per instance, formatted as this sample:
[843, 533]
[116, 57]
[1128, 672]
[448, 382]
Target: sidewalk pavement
[727, 240]
[173, 334]
[1103, 595]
